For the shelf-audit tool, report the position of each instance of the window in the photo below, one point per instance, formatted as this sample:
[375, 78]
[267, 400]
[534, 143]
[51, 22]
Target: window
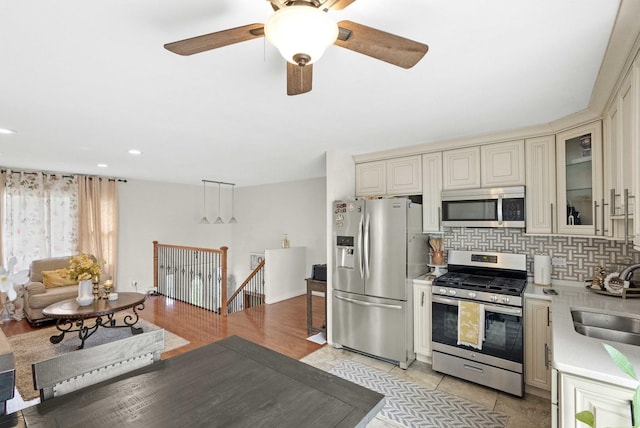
[39, 216]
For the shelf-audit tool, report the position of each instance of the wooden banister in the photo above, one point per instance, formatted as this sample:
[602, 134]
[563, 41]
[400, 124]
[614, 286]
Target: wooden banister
[246, 281]
[223, 294]
[197, 275]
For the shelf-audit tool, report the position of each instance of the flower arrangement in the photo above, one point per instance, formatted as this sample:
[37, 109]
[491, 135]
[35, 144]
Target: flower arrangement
[82, 268]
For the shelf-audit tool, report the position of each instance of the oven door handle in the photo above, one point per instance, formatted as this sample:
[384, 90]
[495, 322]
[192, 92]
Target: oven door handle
[488, 308]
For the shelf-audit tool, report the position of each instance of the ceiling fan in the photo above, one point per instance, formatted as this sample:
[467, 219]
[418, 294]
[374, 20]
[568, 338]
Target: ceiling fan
[302, 30]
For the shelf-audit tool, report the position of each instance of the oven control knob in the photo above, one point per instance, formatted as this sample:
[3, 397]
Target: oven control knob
[494, 298]
[443, 291]
[472, 294]
[452, 292]
[505, 300]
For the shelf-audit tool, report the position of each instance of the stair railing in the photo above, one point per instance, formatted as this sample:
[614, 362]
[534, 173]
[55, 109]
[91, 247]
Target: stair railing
[193, 275]
[250, 293]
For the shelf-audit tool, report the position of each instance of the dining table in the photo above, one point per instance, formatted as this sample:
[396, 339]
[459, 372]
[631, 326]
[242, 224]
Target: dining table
[229, 383]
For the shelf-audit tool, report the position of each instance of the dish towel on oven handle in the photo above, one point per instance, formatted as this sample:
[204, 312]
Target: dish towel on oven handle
[470, 324]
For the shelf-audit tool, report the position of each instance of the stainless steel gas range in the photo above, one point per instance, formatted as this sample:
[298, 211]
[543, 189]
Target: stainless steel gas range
[495, 281]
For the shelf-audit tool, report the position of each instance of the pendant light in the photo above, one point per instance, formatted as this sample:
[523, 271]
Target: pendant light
[233, 205]
[204, 219]
[218, 219]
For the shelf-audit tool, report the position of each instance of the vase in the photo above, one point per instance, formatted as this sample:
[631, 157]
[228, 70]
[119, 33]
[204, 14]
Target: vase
[84, 292]
[437, 258]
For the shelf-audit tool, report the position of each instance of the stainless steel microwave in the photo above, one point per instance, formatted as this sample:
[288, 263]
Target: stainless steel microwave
[495, 207]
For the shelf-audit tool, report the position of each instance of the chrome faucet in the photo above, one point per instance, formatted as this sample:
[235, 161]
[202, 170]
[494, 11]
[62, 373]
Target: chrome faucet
[627, 273]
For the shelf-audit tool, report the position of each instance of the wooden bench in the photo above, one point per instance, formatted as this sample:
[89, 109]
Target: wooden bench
[79, 369]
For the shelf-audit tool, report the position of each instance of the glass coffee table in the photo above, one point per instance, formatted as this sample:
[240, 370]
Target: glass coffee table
[71, 317]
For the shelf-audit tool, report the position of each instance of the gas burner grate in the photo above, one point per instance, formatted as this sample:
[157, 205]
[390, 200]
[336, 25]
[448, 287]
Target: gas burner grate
[497, 285]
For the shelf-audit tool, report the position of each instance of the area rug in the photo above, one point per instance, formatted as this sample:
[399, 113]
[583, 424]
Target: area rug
[412, 405]
[34, 346]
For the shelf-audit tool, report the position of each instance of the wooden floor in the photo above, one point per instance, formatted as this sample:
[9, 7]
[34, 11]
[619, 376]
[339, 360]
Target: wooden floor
[281, 326]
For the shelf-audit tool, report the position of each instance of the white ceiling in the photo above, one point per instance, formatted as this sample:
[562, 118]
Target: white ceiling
[82, 82]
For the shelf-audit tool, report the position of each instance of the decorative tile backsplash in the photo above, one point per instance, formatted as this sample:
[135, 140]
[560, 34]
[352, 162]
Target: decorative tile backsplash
[583, 255]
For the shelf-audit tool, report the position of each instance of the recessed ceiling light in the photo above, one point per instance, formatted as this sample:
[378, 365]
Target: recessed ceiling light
[102, 165]
[135, 152]
[6, 131]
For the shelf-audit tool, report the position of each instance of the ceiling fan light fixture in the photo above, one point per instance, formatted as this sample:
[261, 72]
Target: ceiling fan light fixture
[301, 33]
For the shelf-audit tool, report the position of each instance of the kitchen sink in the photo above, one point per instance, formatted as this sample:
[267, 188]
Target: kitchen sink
[616, 328]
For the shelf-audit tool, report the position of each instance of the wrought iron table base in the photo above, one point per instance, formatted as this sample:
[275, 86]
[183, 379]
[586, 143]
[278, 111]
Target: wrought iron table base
[84, 332]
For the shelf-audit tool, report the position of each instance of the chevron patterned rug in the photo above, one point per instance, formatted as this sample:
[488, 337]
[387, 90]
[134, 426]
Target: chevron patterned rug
[412, 405]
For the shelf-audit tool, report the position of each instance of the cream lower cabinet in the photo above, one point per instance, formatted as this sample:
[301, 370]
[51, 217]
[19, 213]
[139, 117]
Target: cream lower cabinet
[610, 404]
[537, 343]
[422, 320]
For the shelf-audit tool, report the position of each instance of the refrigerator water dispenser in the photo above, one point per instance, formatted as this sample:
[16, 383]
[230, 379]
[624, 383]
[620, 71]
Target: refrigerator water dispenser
[345, 257]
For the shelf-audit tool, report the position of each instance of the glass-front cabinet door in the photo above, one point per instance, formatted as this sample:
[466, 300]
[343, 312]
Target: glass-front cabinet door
[579, 175]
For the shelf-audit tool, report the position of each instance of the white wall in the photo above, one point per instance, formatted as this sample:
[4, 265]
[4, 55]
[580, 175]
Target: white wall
[265, 213]
[164, 212]
[341, 184]
[170, 214]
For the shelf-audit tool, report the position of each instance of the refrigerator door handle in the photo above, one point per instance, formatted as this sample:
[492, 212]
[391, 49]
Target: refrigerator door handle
[359, 302]
[359, 242]
[367, 235]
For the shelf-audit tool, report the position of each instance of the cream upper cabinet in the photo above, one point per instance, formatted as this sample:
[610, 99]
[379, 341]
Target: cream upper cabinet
[635, 138]
[400, 176]
[404, 176]
[621, 127]
[502, 164]
[371, 178]
[610, 404]
[432, 192]
[537, 343]
[579, 175]
[541, 184]
[461, 168]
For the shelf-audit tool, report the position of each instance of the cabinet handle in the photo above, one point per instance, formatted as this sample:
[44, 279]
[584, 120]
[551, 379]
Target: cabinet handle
[626, 216]
[595, 217]
[603, 222]
[422, 299]
[546, 356]
[551, 218]
[612, 201]
[548, 317]
[439, 219]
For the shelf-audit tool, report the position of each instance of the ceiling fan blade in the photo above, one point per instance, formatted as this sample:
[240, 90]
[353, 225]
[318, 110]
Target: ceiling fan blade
[336, 4]
[299, 78]
[216, 40]
[378, 44]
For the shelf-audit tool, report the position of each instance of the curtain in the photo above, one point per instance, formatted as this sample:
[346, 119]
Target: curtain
[39, 216]
[98, 221]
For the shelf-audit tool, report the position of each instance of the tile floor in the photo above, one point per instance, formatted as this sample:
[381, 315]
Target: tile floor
[530, 411]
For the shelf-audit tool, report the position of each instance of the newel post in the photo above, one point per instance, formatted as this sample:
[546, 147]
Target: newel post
[155, 264]
[223, 294]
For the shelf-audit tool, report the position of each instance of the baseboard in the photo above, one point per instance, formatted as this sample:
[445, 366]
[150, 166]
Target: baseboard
[538, 392]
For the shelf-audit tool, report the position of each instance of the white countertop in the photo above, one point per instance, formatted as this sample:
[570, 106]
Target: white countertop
[581, 355]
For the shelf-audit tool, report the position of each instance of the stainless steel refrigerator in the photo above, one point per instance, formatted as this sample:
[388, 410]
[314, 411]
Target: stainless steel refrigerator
[379, 248]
